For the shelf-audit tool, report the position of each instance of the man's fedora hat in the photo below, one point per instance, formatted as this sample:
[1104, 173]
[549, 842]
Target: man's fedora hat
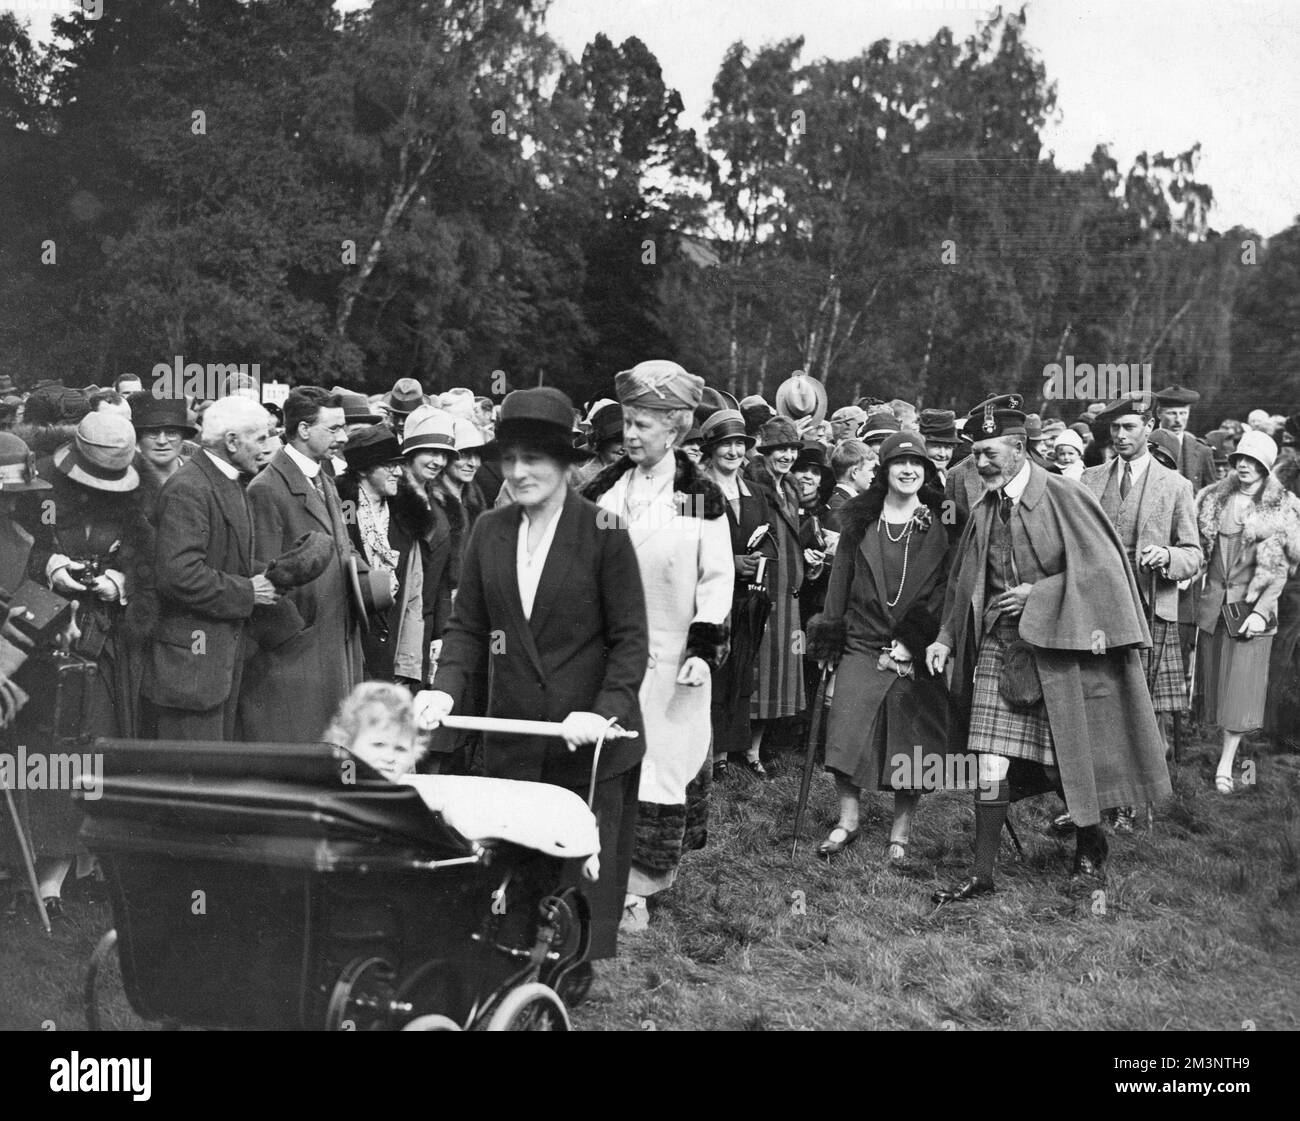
[150, 412]
[371, 591]
[100, 454]
[18, 466]
[406, 396]
[356, 407]
[939, 426]
[725, 424]
[801, 396]
[540, 418]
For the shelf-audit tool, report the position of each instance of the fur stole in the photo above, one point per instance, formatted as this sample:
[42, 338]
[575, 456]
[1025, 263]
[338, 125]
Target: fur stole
[1272, 525]
[701, 494]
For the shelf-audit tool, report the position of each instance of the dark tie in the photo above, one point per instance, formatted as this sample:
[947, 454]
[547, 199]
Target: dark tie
[1004, 507]
[1126, 481]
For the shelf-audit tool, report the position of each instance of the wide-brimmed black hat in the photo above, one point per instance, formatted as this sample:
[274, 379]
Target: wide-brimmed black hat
[540, 418]
[813, 454]
[148, 411]
[372, 446]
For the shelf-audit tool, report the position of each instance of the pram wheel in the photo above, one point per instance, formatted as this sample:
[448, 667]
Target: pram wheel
[434, 1022]
[530, 1007]
[104, 995]
[362, 997]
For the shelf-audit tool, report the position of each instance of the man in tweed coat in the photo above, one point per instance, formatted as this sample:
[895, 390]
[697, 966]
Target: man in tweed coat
[1040, 573]
[1153, 511]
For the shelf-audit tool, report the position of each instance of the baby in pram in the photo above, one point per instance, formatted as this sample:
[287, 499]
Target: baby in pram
[376, 723]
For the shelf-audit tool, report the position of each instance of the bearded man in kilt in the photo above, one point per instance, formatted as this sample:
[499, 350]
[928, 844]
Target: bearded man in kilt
[1043, 622]
[1153, 510]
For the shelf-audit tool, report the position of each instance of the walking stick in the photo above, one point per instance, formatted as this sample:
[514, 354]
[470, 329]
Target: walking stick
[810, 756]
[29, 861]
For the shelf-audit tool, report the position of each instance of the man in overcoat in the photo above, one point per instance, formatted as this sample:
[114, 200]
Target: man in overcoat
[292, 687]
[1040, 562]
[205, 578]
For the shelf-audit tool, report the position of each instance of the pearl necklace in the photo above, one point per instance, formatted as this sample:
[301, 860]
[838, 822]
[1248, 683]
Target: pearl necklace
[906, 538]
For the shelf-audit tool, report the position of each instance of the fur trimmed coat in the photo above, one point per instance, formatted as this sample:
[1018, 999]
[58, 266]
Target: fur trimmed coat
[1270, 549]
[683, 549]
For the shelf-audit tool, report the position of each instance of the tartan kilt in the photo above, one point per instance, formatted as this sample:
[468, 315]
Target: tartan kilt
[1169, 693]
[995, 727]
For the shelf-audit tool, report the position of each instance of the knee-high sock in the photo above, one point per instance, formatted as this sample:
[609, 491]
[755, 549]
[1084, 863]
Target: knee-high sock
[990, 815]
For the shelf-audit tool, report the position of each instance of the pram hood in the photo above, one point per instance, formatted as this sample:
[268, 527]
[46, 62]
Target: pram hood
[534, 815]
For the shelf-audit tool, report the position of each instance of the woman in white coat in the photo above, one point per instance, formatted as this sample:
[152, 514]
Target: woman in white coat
[676, 520]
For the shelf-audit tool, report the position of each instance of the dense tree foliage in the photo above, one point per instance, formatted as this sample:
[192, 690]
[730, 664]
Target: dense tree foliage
[432, 188]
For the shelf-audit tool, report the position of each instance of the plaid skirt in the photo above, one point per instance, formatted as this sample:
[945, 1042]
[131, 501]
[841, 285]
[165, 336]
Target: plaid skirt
[995, 727]
[1169, 693]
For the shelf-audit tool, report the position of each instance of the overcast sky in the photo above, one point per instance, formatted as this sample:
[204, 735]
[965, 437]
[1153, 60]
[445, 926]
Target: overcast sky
[1142, 74]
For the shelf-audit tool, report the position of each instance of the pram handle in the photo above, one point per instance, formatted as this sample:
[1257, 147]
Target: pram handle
[522, 727]
[539, 728]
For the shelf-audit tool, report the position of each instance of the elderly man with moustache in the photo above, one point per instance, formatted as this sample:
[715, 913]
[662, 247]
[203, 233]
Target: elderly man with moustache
[1043, 621]
[206, 578]
[293, 688]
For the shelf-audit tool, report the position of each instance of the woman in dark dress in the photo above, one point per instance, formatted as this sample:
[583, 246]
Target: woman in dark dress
[888, 725]
[725, 444]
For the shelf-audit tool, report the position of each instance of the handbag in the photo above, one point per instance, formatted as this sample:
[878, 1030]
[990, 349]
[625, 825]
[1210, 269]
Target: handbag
[1234, 618]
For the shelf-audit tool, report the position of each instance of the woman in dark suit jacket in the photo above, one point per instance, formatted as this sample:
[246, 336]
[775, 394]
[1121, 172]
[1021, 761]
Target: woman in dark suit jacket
[550, 624]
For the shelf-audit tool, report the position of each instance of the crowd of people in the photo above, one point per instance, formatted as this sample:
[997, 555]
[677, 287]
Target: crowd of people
[996, 602]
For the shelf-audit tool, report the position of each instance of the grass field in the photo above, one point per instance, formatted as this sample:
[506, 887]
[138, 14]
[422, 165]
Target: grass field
[1197, 929]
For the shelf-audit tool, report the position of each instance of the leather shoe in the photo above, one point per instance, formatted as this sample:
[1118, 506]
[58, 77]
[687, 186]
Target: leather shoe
[969, 888]
[1062, 824]
[720, 770]
[831, 847]
[755, 767]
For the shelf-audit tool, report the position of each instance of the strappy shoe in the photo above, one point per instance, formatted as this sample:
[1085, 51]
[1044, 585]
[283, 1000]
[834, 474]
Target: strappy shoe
[895, 858]
[1224, 784]
[832, 847]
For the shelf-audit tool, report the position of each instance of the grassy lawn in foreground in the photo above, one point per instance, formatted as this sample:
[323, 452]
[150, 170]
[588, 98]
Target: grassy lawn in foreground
[1197, 928]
